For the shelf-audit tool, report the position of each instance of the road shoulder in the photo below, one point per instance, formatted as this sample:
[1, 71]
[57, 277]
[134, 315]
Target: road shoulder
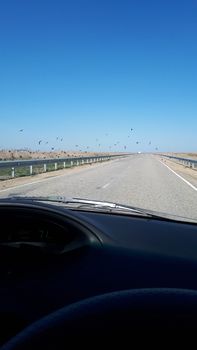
[187, 173]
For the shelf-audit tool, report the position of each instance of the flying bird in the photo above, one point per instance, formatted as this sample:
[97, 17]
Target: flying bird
[40, 142]
[137, 142]
[57, 138]
[149, 142]
[61, 138]
[52, 148]
[21, 130]
[131, 129]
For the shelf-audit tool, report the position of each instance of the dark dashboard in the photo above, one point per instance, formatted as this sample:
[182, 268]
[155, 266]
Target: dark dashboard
[52, 257]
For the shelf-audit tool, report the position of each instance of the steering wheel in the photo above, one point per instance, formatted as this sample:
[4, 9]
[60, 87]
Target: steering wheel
[117, 314]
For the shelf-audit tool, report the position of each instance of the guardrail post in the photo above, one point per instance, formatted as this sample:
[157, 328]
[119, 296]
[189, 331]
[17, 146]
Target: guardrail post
[77, 162]
[55, 166]
[30, 169]
[64, 164]
[45, 168]
[13, 172]
[71, 163]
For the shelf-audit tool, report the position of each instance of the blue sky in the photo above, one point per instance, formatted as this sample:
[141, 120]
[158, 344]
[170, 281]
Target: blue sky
[88, 71]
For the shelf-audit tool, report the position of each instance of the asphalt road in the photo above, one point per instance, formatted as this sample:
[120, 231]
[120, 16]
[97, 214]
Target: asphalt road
[139, 180]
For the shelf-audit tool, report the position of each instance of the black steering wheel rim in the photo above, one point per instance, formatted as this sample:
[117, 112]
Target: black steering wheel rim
[112, 314]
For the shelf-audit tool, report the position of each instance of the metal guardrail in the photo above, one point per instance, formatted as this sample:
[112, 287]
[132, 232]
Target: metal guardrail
[191, 163]
[56, 163]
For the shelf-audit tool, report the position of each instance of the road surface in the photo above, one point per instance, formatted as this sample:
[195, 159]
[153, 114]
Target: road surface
[138, 180]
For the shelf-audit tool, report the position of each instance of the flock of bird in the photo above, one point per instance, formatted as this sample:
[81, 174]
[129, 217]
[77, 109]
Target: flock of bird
[87, 147]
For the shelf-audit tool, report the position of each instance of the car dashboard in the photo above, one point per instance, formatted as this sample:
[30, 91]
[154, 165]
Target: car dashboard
[53, 257]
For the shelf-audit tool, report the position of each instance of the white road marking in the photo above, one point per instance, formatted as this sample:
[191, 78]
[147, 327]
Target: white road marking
[187, 182]
[106, 185]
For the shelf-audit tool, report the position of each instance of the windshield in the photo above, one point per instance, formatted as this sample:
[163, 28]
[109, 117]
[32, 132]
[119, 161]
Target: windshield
[99, 102]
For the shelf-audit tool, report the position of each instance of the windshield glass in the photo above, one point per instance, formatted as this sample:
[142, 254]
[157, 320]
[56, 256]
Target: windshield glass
[98, 102]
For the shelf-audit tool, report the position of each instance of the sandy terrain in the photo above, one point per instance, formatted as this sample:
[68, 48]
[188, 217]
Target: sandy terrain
[15, 155]
[183, 155]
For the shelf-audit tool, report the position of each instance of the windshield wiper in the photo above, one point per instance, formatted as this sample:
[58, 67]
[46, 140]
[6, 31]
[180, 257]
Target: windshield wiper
[84, 204]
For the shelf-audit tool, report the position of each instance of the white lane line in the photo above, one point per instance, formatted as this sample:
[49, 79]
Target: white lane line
[31, 183]
[187, 182]
[106, 185]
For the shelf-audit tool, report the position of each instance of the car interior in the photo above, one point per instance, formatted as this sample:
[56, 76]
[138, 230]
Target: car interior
[65, 271]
